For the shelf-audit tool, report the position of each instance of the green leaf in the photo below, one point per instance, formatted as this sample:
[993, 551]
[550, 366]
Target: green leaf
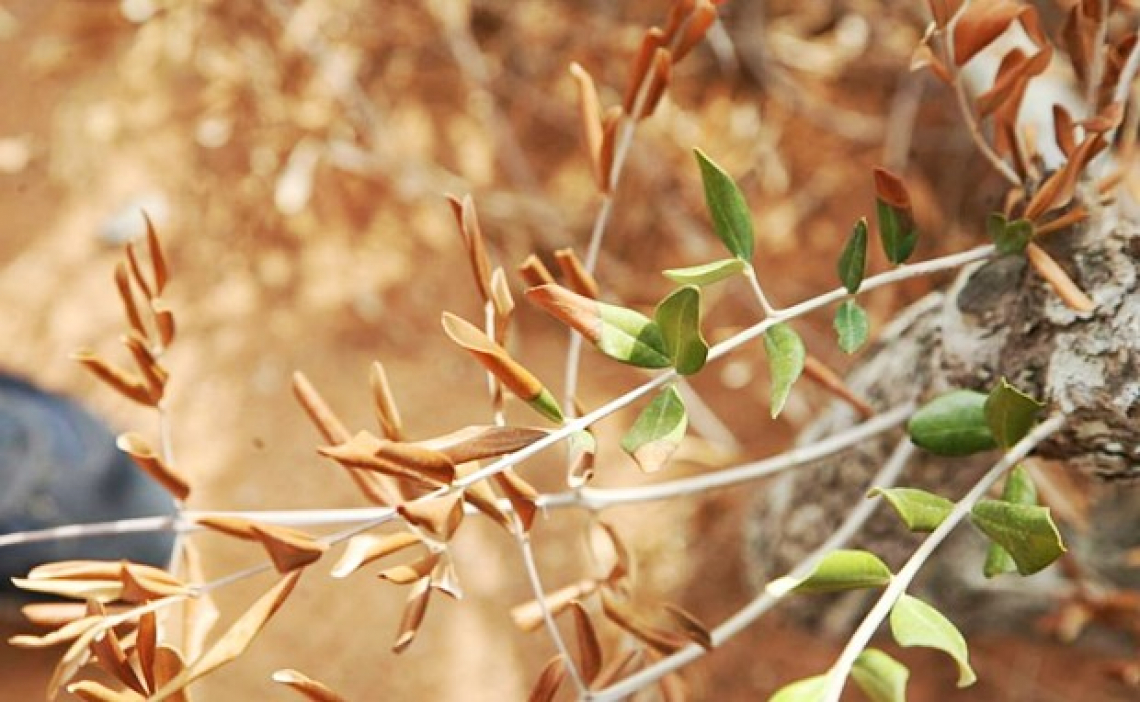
[679, 318]
[880, 677]
[851, 325]
[706, 273]
[1026, 532]
[853, 260]
[915, 623]
[785, 362]
[545, 404]
[953, 424]
[920, 510]
[1019, 489]
[1009, 237]
[840, 570]
[1010, 413]
[896, 220]
[658, 431]
[806, 690]
[631, 337]
[730, 216]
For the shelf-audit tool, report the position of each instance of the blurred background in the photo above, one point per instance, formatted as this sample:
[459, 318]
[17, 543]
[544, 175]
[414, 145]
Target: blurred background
[294, 156]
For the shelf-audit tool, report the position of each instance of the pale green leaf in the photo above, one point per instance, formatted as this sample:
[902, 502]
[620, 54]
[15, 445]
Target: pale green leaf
[806, 690]
[679, 319]
[880, 677]
[851, 325]
[915, 623]
[920, 510]
[707, 273]
[631, 337]
[840, 570]
[786, 355]
[658, 431]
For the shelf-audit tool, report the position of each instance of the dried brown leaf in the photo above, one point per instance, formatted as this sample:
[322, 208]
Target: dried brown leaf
[577, 277]
[611, 120]
[413, 615]
[700, 19]
[503, 303]
[142, 583]
[445, 578]
[127, 296]
[289, 549]
[153, 374]
[651, 42]
[144, 456]
[1060, 187]
[1063, 130]
[86, 589]
[321, 415]
[689, 625]
[619, 667]
[590, 113]
[387, 413]
[308, 688]
[482, 497]
[408, 573]
[91, 691]
[363, 549]
[944, 10]
[1079, 36]
[136, 273]
[468, 221]
[1106, 120]
[549, 680]
[360, 452]
[439, 516]
[534, 272]
[980, 24]
[478, 442]
[589, 648]
[169, 664]
[67, 632]
[528, 615]
[110, 656]
[435, 465]
[157, 257]
[831, 381]
[658, 82]
[164, 321]
[53, 614]
[124, 382]
[623, 565]
[493, 357]
[235, 640]
[146, 643]
[231, 526]
[622, 614]
[1058, 279]
[1014, 74]
[521, 494]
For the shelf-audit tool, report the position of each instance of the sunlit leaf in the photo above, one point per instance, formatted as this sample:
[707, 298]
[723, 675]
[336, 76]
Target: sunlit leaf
[785, 362]
[707, 273]
[731, 219]
[1026, 532]
[806, 690]
[953, 424]
[413, 616]
[658, 431]
[851, 326]
[311, 689]
[897, 230]
[880, 677]
[1010, 413]
[838, 571]
[365, 548]
[920, 510]
[91, 691]
[679, 319]
[853, 260]
[915, 623]
[289, 549]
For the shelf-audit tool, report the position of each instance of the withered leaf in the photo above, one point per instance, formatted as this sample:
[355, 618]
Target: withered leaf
[621, 613]
[482, 497]
[85, 589]
[445, 578]
[127, 296]
[124, 382]
[690, 626]
[435, 465]
[143, 583]
[468, 221]
[169, 664]
[145, 457]
[619, 667]
[153, 374]
[439, 516]
[651, 43]
[146, 643]
[361, 452]
[91, 691]
[574, 271]
[236, 639]
[136, 272]
[1013, 75]
[67, 632]
[387, 413]
[110, 656]
[289, 549]
[528, 615]
[164, 320]
[1058, 279]
[476, 443]
[408, 573]
[413, 615]
[658, 82]
[157, 257]
[590, 114]
[233, 526]
[701, 18]
[521, 494]
[549, 680]
[589, 648]
[981, 23]
[534, 273]
[199, 613]
[1060, 187]
[306, 686]
[611, 120]
[366, 548]
[321, 415]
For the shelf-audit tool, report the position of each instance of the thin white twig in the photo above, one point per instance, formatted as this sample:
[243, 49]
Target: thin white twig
[763, 602]
[1127, 75]
[901, 580]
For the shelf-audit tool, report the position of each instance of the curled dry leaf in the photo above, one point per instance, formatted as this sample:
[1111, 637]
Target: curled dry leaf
[310, 689]
[67, 632]
[232, 526]
[701, 18]
[169, 664]
[482, 497]
[1058, 279]
[320, 414]
[445, 578]
[146, 644]
[617, 563]
[435, 465]
[153, 374]
[658, 82]
[521, 494]
[589, 648]
[622, 614]
[387, 413]
[53, 614]
[413, 616]
[582, 449]
[108, 652]
[829, 380]
[136, 273]
[534, 272]
[1013, 77]
[439, 516]
[235, 640]
[619, 667]
[124, 382]
[468, 221]
[651, 43]
[549, 680]
[982, 22]
[577, 277]
[361, 452]
[144, 456]
[1058, 190]
[476, 443]
[689, 626]
[289, 549]
[590, 113]
[610, 122]
[127, 296]
[528, 615]
[363, 549]
[157, 257]
[503, 303]
[99, 590]
[143, 583]
[164, 321]
[409, 573]
[1063, 130]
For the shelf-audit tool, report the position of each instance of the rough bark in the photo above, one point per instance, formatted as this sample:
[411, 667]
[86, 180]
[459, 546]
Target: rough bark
[998, 319]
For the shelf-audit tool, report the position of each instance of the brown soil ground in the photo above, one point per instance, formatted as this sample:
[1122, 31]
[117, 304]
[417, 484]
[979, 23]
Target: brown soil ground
[203, 106]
